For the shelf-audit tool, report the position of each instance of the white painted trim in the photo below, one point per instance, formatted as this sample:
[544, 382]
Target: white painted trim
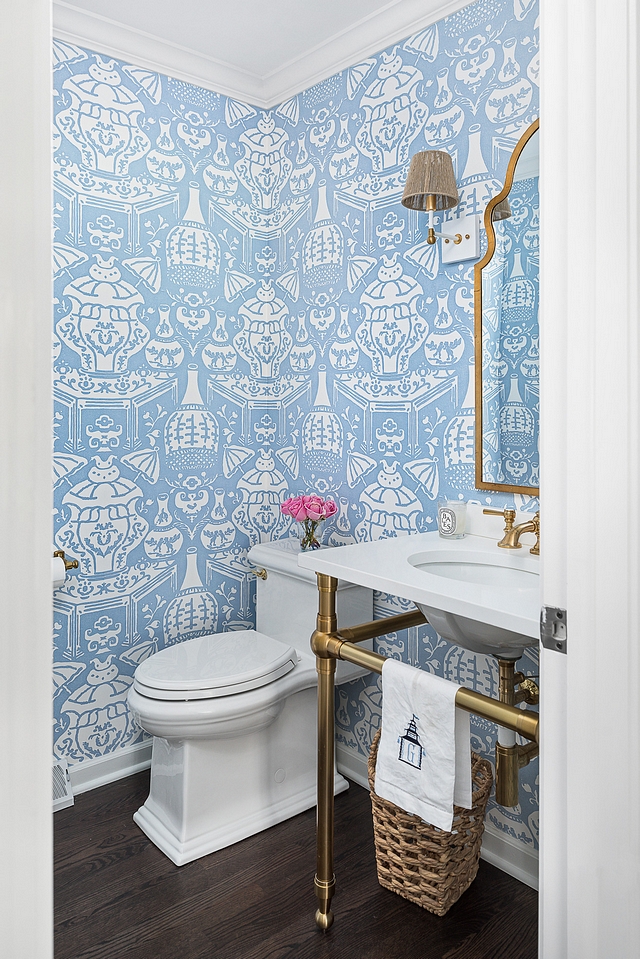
[556, 39]
[352, 764]
[502, 851]
[590, 457]
[369, 35]
[108, 769]
[111, 38]
[26, 902]
[511, 856]
[382, 29]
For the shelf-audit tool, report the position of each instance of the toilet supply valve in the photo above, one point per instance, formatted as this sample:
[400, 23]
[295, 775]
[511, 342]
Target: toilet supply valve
[68, 563]
[260, 573]
[528, 692]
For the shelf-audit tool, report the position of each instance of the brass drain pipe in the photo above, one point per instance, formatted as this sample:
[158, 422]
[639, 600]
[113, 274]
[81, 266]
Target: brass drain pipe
[510, 758]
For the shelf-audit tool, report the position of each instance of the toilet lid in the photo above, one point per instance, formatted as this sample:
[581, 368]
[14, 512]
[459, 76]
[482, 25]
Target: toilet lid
[219, 664]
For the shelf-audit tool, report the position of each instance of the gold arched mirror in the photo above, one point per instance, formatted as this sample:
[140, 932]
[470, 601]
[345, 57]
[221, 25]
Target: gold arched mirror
[507, 332]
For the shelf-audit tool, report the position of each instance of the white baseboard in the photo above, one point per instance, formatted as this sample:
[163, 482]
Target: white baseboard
[352, 764]
[500, 850]
[511, 856]
[107, 769]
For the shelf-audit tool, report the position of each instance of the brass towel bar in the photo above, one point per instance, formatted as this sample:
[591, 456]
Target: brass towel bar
[330, 644]
[522, 722]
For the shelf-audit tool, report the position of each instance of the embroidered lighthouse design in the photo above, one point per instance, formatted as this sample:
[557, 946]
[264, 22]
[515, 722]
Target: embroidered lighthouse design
[410, 746]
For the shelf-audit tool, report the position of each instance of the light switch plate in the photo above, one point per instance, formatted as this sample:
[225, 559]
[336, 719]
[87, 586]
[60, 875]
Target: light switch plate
[469, 248]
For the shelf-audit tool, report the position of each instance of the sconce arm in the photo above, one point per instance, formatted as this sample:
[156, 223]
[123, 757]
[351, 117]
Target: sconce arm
[433, 233]
[431, 238]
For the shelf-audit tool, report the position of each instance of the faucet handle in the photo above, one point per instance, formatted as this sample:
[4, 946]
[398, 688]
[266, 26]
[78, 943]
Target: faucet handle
[508, 513]
[535, 549]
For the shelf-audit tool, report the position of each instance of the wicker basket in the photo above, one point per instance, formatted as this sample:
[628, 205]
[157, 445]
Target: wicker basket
[425, 864]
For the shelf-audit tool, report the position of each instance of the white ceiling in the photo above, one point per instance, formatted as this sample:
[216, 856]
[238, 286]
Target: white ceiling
[262, 51]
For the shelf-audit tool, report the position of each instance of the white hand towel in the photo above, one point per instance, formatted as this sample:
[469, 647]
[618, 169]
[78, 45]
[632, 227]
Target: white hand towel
[424, 755]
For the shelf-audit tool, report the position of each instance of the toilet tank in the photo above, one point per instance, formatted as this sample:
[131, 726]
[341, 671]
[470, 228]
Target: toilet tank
[287, 601]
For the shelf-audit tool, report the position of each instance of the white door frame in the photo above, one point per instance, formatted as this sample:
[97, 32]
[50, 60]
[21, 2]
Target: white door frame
[590, 760]
[25, 481]
[590, 754]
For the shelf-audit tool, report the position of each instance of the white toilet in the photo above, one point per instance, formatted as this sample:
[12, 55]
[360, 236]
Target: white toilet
[233, 716]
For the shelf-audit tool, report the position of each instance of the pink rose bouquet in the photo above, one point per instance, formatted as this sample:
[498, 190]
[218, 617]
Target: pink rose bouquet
[310, 511]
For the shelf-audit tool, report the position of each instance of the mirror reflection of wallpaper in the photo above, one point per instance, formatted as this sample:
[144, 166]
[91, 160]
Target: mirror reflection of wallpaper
[510, 375]
[244, 310]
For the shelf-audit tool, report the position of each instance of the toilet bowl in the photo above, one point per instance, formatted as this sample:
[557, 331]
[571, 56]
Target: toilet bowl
[233, 716]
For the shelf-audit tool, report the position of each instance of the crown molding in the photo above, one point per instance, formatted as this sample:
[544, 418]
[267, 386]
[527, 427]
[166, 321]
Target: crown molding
[360, 40]
[111, 38]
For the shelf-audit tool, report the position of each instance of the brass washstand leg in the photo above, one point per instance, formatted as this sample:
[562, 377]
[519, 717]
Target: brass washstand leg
[325, 881]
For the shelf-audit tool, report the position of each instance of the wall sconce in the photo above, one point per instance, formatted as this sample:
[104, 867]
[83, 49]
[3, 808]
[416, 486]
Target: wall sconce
[501, 211]
[430, 187]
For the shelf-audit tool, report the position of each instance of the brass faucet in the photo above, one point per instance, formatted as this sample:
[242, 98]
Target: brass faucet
[512, 534]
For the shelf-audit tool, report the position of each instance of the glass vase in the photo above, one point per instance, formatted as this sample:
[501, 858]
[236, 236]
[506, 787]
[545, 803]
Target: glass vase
[309, 531]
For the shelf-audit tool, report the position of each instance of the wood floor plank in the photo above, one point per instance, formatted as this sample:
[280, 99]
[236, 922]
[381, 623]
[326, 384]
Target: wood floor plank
[118, 897]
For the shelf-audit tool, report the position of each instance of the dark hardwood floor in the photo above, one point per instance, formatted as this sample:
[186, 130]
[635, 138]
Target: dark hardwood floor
[118, 897]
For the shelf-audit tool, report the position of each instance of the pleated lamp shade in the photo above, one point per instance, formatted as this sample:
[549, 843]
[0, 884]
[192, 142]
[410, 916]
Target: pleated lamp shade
[501, 211]
[430, 176]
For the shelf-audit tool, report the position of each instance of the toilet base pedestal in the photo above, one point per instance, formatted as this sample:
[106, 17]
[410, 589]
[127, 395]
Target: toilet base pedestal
[210, 793]
[220, 836]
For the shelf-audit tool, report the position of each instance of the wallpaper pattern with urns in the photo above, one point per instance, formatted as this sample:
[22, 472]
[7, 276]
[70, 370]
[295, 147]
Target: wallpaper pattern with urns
[245, 311]
[510, 356]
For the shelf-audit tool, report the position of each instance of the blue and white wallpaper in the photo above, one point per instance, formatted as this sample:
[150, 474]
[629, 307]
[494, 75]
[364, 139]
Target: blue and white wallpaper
[244, 310]
[511, 355]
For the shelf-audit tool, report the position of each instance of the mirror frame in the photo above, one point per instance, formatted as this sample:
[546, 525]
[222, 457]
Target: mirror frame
[477, 306]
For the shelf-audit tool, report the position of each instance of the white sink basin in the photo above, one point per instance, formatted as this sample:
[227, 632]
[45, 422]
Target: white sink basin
[473, 593]
[484, 575]
[499, 577]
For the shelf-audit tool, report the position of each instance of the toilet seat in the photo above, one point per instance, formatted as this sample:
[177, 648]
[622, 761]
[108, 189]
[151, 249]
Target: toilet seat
[218, 664]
